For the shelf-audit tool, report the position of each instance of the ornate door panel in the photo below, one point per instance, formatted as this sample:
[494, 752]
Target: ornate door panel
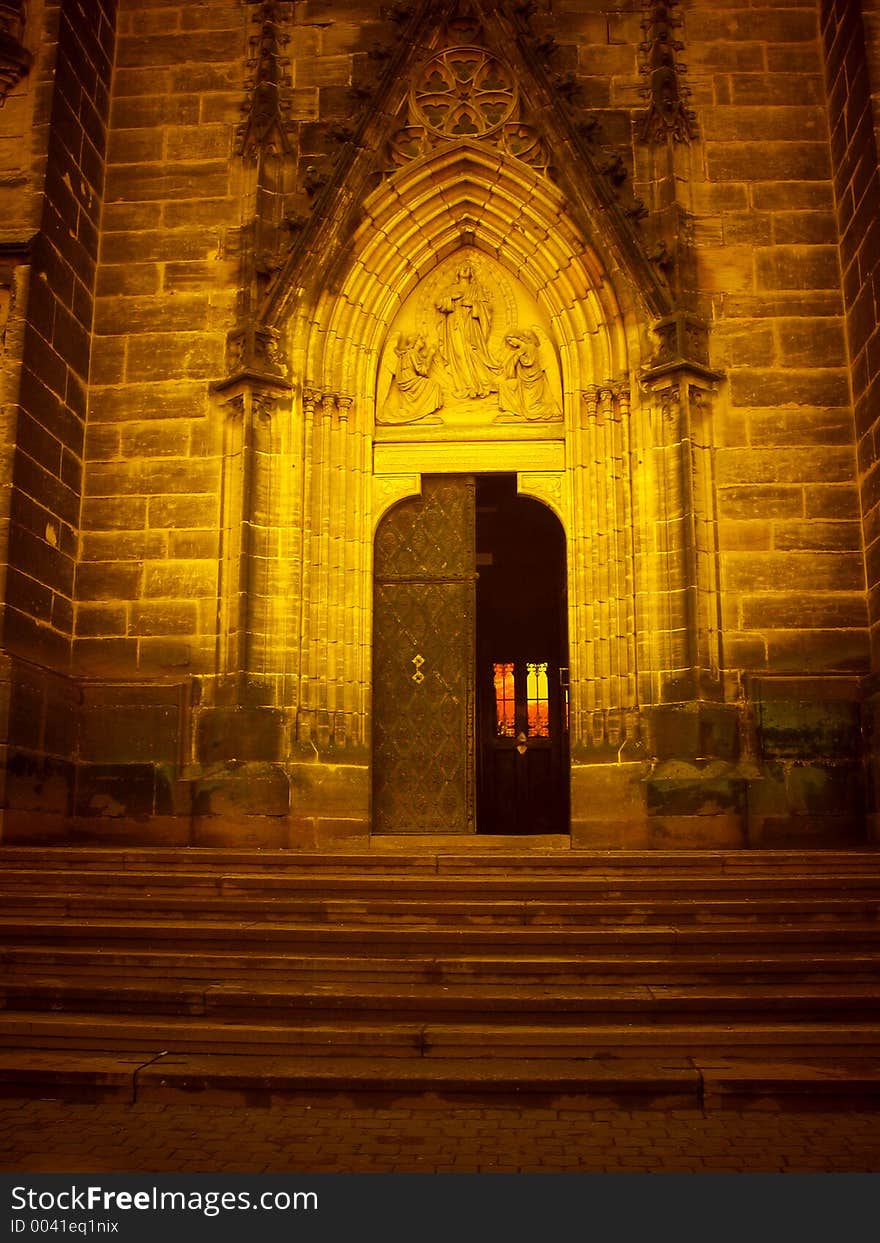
[423, 640]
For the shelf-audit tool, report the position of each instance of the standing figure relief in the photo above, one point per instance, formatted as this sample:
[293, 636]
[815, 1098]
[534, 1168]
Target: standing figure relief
[459, 350]
[465, 311]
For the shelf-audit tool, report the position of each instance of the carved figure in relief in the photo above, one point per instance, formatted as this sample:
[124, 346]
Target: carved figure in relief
[465, 310]
[412, 392]
[457, 354]
[523, 390]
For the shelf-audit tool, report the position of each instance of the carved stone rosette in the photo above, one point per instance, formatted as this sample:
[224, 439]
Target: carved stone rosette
[466, 92]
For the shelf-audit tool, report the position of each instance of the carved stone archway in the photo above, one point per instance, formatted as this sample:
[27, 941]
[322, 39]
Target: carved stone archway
[459, 201]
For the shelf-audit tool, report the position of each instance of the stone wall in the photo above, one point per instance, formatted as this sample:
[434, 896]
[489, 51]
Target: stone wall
[749, 198]
[853, 80]
[47, 471]
[57, 218]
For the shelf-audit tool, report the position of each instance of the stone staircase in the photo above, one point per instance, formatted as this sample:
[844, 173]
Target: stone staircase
[664, 977]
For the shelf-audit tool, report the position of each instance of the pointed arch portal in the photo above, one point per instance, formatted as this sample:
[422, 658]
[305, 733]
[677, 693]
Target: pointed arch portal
[450, 312]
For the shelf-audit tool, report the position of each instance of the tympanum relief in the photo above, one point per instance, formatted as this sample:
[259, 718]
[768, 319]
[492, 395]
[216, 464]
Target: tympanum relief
[468, 351]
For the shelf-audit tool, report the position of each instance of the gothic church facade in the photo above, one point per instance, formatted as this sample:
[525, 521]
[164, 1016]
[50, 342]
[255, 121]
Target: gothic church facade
[440, 419]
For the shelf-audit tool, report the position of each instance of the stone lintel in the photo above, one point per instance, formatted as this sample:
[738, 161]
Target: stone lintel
[466, 457]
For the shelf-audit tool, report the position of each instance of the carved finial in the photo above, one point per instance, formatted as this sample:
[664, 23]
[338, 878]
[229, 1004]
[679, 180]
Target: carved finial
[266, 108]
[15, 59]
[667, 115]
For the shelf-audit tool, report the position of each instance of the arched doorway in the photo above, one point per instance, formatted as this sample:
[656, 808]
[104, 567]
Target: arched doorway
[522, 663]
[469, 662]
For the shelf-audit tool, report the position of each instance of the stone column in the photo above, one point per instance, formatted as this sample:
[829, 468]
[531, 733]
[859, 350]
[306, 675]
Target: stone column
[241, 792]
[330, 772]
[607, 801]
[695, 788]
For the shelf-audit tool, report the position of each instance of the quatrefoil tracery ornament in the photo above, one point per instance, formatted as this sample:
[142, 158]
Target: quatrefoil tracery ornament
[464, 92]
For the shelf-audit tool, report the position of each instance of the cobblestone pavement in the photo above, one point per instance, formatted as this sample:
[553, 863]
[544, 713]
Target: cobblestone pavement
[341, 1137]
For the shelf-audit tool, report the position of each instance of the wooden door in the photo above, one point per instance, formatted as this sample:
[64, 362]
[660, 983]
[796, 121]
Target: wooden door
[423, 658]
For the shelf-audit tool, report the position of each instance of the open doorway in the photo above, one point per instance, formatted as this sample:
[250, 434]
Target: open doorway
[470, 712]
[521, 674]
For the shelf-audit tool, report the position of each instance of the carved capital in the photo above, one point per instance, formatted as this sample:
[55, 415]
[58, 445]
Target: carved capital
[234, 405]
[680, 403]
[311, 398]
[15, 59]
[248, 402]
[670, 406]
[253, 358]
[682, 346]
[610, 400]
[263, 403]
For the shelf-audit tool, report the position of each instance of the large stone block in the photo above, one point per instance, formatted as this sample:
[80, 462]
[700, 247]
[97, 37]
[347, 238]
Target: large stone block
[39, 784]
[128, 734]
[777, 571]
[607, 803]
[693, 731]
[710, 831]
[234, 791]
[821, 651]
[696, 795]
[771, 500]
[330, 792]
[116, 791]
[239, 734]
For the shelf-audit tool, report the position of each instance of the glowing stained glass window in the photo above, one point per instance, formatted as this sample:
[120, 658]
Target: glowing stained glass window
[505, 700]
[537, 700]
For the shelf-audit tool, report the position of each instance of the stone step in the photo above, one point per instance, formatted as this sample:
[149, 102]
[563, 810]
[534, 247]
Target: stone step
[449, 859]
[392, 1038]
[681, 886]
[240, 1000]
[371, 911]
[231, 935]
[217, 1078]
[556, 968]
[461, 960]
[619, 1082]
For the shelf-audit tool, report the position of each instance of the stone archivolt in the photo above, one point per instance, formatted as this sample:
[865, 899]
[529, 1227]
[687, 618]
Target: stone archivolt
[541, 320]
